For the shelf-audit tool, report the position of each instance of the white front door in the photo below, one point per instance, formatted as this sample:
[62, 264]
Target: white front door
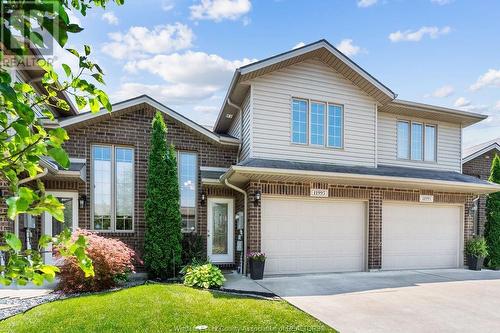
[53, 227]
[220, 230]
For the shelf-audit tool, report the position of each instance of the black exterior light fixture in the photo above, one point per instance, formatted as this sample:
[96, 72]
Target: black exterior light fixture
[203, 198]
[257, 197]
[82, 201]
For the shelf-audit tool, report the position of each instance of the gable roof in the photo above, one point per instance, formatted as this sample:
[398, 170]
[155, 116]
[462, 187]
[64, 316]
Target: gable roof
[322, 50]
[145, 99]
[472, 152]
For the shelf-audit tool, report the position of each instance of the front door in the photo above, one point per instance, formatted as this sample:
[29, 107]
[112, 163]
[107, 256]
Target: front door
[220, 230]
[53, 227]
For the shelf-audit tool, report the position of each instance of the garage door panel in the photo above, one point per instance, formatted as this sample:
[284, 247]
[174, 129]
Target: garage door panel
[420, 236]
[318, 236]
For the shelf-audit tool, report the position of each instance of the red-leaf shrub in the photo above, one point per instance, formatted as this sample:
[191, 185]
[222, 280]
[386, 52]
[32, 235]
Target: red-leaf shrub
[112, 260]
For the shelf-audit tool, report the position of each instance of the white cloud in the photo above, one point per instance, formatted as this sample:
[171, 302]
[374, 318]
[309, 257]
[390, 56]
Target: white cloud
[441, 92]
[167, 5]
[366, 3]
[171, 94]
[442, 2]
[489, 79]
[461, 102]
[110, 17]
[218, 10]
[348, 48]
[416, 36]
[299, 44]
[138, 41]
[497, 105]
[73, 18]
[189, 68]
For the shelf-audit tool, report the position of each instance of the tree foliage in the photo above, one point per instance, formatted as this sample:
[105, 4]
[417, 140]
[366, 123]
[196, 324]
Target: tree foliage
[24, 141]
[162, 248]
[492, 228]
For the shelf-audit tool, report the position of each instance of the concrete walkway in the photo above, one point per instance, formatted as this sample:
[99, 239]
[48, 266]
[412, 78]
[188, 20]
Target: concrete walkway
[454, 300]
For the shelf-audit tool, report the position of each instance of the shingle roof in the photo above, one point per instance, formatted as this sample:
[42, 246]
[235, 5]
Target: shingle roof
[472, 150]
[381, 170]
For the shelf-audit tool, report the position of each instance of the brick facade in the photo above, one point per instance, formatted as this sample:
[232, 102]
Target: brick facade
[480, 167]
[132, 128]
[374, 196]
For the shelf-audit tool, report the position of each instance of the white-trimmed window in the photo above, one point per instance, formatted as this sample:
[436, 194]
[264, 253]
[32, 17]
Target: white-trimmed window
[416, 141]
[188, 181]
[299, 121]
[335, 125]
[112, 188]
[324, 121]
[318, 123]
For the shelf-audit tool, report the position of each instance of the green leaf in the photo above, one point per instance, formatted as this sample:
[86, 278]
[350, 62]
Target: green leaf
[67, 69]
[87, 49]
[60, 156]
[13, 241]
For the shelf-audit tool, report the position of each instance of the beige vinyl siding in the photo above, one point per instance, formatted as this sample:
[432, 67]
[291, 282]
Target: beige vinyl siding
[234, 129]
[247, 126]
[271, 104]
[449, 138]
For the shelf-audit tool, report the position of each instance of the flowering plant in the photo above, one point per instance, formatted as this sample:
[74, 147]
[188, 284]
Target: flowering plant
[257, 256]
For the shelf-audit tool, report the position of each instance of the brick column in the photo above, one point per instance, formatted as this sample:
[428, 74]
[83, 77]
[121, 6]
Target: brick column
[253, 219]
[375, 230]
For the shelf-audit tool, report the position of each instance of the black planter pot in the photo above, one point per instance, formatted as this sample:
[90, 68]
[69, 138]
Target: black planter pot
[475, 263]
[257, 269]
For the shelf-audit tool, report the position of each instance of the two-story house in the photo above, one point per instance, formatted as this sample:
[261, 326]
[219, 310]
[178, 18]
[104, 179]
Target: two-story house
[312, 160]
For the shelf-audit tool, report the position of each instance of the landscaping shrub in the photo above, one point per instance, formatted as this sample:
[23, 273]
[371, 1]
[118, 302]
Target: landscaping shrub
[192, 248]
[162, 239]
[476, 247]
[205, 276]
[112, 259]
[492, 227]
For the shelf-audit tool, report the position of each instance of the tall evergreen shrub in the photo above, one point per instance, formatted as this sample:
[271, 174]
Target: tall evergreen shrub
[492, 228]
[162, 243]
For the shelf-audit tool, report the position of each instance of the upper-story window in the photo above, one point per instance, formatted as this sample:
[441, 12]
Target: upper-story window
[317, 123]
[416, 141]
[112, 188]
[187, 169]
[299, 121]
[325, 122]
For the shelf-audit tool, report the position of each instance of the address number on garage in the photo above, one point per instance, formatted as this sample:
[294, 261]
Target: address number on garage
[319, 193]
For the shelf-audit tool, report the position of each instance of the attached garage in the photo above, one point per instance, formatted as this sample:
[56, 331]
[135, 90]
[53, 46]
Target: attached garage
[419, 236]
[313, 235]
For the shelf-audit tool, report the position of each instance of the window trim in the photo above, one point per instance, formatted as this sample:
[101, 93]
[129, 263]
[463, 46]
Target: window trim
[307, 121]
[424, 124]
[113, 188]
[325, 129]
[341, 129]
[197, 172]
[308, 143]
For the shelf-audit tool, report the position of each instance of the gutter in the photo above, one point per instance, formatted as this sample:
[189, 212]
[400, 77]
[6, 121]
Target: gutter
[240, 111]
[245, 210]
[29, 179]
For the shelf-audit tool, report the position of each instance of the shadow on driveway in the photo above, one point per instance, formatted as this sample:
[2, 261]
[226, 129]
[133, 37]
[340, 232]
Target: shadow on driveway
[342, 283]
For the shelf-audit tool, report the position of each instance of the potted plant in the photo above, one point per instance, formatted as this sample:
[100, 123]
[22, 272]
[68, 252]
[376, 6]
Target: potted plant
[476, 250]
[257, 262]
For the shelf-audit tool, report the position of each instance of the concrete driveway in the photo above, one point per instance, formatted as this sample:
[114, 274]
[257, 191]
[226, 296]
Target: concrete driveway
[452, 300]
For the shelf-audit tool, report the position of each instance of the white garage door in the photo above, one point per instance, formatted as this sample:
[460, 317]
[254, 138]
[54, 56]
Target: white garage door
[421, 236]
[313, 236]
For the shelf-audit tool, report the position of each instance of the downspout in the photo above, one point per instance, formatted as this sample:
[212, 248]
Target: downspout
[245, 205]
[241, 126]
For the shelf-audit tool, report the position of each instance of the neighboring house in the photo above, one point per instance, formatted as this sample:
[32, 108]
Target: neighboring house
[330, 171]
[476, 161]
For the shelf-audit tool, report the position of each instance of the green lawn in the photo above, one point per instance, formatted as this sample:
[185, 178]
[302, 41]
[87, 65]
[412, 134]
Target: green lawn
[163, 308]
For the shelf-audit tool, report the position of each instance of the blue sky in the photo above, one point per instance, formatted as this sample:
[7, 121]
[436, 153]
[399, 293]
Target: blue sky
[183, 52]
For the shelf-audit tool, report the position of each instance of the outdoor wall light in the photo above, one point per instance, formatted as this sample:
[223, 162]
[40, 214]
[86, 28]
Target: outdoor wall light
[257, 197]
[82, 201]
[203, 198]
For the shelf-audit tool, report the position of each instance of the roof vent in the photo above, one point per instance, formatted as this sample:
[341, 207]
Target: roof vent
[229, 115]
